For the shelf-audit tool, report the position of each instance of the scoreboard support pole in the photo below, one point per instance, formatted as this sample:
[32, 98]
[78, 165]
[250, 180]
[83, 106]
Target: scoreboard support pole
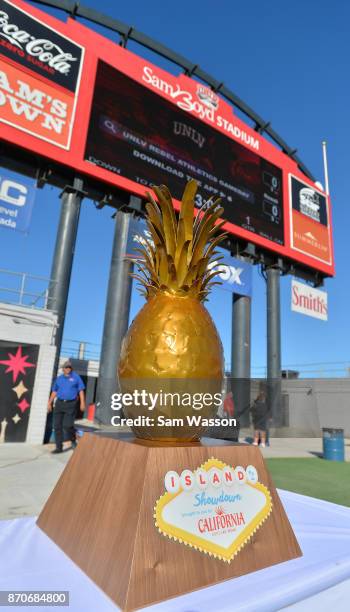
[274, 387]
[241, 356]
[116, 318]
[61, 269]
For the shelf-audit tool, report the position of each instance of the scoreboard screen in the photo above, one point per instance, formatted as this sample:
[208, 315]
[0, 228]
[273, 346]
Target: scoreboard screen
[138, 135]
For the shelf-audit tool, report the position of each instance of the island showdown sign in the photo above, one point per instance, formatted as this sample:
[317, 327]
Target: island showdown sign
[39, 76]
[215, 509]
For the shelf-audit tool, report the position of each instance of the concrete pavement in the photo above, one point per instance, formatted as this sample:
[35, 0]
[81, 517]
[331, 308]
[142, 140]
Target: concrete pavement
[29, 473]
[298, 447]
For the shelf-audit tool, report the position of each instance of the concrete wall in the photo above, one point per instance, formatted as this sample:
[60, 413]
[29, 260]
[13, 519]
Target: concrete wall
[308, 404]
[33, 326]
[317, 403]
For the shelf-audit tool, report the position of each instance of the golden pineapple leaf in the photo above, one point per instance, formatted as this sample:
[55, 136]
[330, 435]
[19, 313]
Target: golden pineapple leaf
[187, 208]
[154, 218]
[181, 266]
[204, 212]
[176, 259]
[203, 231]
[167, 195]
[201, 212]
[163, 266]
[180, 239]
[168, 218]
[214, 243]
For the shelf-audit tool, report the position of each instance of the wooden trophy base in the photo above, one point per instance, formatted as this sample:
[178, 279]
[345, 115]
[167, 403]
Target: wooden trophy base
[101, 514]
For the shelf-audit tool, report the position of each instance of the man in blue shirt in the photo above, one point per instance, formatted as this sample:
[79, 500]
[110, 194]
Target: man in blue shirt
[66, 389]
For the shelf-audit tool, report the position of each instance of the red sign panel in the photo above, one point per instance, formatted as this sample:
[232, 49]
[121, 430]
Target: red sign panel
[310, 227]
[39, 76]
[136, 124]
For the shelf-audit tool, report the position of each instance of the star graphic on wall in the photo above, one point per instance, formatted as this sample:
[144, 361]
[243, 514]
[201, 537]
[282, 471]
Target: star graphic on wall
[23, 405]
[20, 389]
[16, 418]
[17, 363]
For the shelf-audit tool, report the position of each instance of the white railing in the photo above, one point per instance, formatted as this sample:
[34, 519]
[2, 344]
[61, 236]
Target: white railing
[78, 349]
[24, 289]
[324, 369]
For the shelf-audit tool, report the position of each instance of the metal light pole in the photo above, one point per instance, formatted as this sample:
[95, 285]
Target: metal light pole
[325, 166]
[274, 392]
[240, 356]
[63, 257]
[116, 318]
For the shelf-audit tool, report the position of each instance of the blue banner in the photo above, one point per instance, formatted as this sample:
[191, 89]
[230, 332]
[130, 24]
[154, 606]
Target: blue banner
[17, 193]
[235, 274]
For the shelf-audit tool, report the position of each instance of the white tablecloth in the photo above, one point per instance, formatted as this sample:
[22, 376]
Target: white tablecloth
[319, 580]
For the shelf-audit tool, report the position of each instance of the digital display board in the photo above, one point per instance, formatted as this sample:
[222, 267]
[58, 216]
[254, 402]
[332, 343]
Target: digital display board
[135, 133]
[81, 102]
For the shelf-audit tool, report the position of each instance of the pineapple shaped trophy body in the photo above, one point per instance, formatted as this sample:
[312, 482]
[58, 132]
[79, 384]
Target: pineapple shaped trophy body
[172, 350]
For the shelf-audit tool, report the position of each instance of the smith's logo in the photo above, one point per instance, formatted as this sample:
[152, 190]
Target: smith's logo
[43, 49]
[12, 192]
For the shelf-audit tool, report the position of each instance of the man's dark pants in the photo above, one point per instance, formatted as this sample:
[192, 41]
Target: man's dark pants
[63, 419]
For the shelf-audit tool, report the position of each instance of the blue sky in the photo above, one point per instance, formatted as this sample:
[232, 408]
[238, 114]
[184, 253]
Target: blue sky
[289, 62]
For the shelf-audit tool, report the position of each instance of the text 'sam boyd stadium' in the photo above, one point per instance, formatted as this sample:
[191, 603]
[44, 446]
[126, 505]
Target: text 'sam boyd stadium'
[81, 100]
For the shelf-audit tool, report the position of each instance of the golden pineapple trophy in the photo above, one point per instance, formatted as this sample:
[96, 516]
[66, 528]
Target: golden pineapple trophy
[173, 345]
[164, 511]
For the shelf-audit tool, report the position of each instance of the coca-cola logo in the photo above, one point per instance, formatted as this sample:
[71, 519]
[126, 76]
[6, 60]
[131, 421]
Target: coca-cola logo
[43, 49]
